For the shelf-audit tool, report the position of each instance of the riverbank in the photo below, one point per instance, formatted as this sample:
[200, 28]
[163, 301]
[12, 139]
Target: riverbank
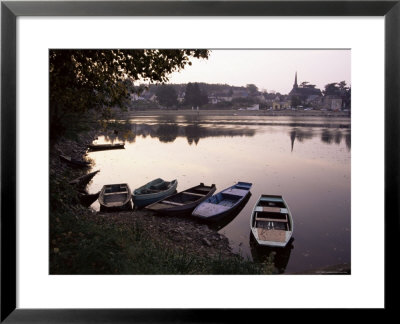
[174, 233]
[235, 112]
[83, 241]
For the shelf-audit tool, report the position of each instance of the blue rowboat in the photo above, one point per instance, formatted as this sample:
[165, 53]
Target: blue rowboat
[153, 191]
[271, 222]
[223, 203]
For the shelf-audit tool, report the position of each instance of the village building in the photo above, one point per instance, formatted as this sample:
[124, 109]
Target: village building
[212, 99]
[280, 104]
[305, 94]
[332, 103]
[181, 97]
[239, 93]
[149, 96]
[270, 98]
[221, 97]
[225, 98]
[136, 97]
[254, 107]
[146, 95]
[260, 98]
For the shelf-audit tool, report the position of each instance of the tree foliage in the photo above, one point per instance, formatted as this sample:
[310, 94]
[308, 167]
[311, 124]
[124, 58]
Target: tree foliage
[252, 89]
[166, 96]
[307, 84]
[194, 96]
[332, 89]
[295, 101]
[85, 79]
[340, 90]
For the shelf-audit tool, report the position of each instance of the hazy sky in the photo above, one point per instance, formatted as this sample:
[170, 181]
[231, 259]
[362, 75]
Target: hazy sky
[269, 69]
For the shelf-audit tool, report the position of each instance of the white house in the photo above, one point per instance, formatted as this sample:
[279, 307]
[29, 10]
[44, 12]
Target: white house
[254, 107]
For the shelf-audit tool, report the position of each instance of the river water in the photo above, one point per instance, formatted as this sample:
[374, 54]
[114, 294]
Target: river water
[305, 159]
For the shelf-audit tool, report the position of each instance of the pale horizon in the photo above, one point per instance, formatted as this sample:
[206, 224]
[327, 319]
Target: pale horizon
[269, 70]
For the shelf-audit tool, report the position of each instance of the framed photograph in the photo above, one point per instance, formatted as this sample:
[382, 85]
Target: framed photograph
[164, 158]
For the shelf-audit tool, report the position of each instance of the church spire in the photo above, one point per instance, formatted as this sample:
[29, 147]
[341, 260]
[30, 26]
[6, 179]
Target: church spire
[295, 81]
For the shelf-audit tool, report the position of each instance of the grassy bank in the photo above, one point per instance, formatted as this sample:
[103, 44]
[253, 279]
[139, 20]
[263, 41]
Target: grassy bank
[81, 244]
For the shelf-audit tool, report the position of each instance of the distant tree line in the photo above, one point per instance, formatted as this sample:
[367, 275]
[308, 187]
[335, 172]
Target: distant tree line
[221, 96]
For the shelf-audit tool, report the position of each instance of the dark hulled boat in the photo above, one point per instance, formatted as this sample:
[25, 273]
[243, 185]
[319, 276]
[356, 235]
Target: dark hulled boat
[183, 203]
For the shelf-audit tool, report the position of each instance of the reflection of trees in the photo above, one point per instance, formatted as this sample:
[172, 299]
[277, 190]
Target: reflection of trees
[193, 133]
[167, 132]
[347, 139]
[120, 132]
[338, 137]
[328, 136]
[300, 135]
[335, 136]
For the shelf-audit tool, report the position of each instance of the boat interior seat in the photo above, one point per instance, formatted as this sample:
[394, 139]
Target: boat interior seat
[271, 217]
[242, 187]
[230, 195]
[159, 186]
[172, 203]
[194, 194]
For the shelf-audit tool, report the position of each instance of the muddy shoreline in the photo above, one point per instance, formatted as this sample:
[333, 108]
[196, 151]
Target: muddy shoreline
[175, 233]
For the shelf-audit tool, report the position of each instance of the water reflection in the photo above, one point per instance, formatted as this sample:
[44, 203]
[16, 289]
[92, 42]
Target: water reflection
[169, 132]
[281, 256]
[260, 120]
[300, 135]
[328, 136]
[347, 138]
[165, 132]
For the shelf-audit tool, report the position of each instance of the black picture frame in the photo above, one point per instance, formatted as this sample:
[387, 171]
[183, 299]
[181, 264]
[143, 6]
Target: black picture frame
[10, 10]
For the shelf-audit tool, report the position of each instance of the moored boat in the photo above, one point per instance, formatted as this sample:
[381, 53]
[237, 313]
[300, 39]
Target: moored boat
[153, 191]
[102, 147]
[87, 199]
[222, 203]
[183, 203]
[115, 196]
[271, 222]
[82, 181]
[73, 162]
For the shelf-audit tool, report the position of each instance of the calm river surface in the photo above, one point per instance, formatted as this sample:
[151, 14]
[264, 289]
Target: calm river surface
[305, 159]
